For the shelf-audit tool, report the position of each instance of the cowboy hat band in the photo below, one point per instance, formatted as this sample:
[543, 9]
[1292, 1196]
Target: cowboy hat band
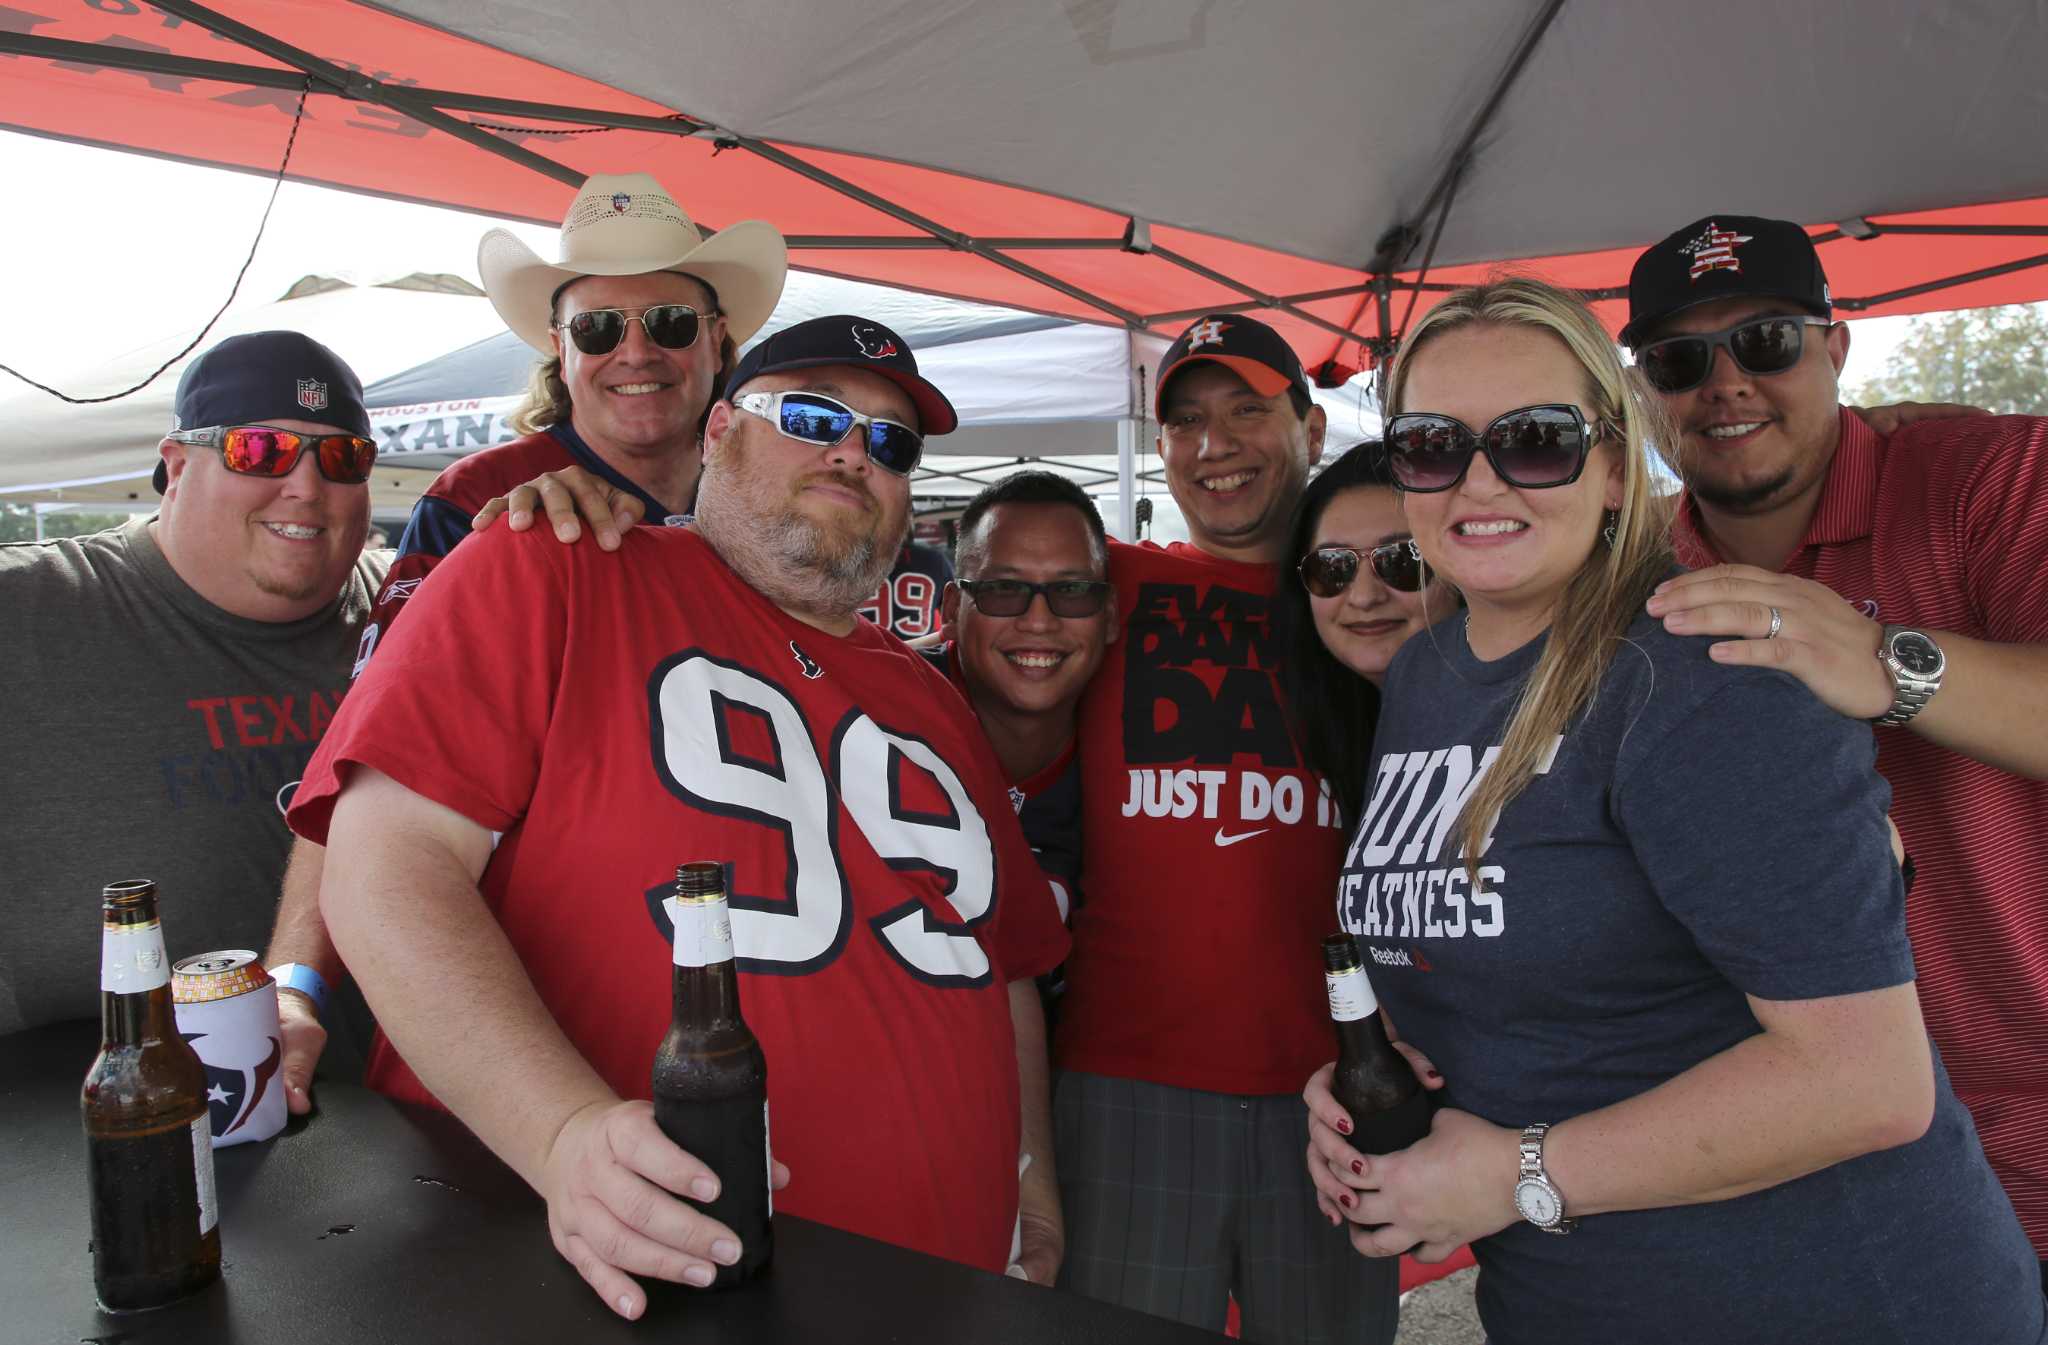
[626, 224]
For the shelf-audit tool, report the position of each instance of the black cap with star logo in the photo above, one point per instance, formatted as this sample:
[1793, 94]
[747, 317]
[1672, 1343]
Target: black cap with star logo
[1724, 257]
[1245, 346]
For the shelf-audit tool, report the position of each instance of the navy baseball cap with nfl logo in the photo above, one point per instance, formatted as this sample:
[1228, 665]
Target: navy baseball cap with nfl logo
[1724, 257]
[260, 377]
[843, 338]
[1245, 346]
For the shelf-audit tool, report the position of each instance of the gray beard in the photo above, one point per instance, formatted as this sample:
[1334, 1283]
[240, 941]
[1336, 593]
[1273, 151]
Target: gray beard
[788, 562]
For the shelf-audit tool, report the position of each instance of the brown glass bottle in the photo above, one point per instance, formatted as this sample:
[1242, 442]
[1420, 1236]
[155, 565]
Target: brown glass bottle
[1373, 1082]
[710, 1075]
[149, 1147]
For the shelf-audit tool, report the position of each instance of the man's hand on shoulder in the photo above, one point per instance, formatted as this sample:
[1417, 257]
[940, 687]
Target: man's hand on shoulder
[570, 496]
[1891, 419]
[1781, 621]
[610, 1180]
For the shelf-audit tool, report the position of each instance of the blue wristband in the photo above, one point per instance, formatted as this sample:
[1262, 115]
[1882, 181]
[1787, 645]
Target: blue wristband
[302, 978]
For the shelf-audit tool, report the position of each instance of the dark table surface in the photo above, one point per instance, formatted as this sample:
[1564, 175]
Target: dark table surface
[372, 1222]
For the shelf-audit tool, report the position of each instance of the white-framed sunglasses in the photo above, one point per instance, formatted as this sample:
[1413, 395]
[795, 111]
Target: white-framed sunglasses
[813, 418]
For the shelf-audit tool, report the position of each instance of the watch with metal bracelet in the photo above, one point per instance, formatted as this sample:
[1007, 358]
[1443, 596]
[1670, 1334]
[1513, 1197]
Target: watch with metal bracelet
[1536, 1198]
[1916, 664]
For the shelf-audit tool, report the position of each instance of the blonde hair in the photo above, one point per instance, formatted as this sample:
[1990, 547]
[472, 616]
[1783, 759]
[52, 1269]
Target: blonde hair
[1608, 593]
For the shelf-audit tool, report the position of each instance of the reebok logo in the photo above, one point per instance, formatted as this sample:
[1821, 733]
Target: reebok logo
[1391, 957]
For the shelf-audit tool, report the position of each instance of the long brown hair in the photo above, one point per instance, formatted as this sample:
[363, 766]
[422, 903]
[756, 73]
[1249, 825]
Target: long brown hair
[1608, 593]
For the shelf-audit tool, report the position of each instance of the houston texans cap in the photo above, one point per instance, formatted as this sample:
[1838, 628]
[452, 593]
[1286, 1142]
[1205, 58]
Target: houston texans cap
[843, 338]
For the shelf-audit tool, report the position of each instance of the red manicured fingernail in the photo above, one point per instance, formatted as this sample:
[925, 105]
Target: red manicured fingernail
[1343, 1126]
[1358, 1166]
[1434, 1075]
[1346, 1200]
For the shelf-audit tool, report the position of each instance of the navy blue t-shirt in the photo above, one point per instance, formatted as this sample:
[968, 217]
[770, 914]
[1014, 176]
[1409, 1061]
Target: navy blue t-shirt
[1700, 833]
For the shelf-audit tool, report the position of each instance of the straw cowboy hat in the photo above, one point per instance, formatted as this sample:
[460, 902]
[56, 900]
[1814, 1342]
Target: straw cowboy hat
[625, 224]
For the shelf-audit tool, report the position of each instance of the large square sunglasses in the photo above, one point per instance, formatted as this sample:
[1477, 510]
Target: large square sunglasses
[814, 418]
[598, 331]
[265, 450]
[1758, 346]
[1532, 447]
[1012, 597]
[1328, 571]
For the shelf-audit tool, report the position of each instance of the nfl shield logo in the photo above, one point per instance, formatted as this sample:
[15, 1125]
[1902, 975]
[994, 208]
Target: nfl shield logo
[620, 200]
[312, 394]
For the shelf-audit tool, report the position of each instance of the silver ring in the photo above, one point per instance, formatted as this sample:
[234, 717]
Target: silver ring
[1777, 624]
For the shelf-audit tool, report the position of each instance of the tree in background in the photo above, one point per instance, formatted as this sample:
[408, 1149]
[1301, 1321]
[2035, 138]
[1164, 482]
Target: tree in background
[1996, 358]
[18, 523]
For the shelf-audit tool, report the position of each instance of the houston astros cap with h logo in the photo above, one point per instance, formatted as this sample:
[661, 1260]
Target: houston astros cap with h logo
[627, 224]
[1245, 346]
[1724, 257]
[260, 377]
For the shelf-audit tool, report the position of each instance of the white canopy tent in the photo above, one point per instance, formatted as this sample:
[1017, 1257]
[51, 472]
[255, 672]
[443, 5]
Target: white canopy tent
[55, 452]
[1074, 396]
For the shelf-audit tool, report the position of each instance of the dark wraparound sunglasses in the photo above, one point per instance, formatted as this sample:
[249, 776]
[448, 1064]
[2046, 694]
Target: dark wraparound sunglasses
[815, 418]
[1328, 570]
[1759, 346]
[1533, 447]
[1012, 597]
[598, 331]
[264, 450]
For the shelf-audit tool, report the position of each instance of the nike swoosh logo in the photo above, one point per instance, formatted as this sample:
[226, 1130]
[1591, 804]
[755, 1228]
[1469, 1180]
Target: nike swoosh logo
[1224, 840]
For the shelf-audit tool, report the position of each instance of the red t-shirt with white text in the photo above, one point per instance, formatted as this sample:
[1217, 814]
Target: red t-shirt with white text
[614, 715]
[1210, 852]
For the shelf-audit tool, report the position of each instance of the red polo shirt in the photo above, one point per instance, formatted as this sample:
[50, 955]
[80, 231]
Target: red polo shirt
[1944, 526]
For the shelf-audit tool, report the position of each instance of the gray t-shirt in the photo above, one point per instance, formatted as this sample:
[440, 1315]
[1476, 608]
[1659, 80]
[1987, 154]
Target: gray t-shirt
[1701, 833]
[149, 735]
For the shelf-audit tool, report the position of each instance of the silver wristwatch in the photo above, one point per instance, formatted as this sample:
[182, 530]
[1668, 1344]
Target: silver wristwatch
[1916, 664]
[1536, 1198]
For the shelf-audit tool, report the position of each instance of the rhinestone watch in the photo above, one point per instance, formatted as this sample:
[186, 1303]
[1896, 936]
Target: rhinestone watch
[1537, 1199]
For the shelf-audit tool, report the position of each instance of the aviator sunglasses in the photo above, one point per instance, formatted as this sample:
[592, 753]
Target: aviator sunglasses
[1759, 346]
[264, 450]
[1328, 570]
[1012, 597]
[814, 418]
[1533, 447]
[598, 331]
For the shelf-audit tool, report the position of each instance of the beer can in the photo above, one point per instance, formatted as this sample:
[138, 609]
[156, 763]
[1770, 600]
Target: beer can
[227, 1009]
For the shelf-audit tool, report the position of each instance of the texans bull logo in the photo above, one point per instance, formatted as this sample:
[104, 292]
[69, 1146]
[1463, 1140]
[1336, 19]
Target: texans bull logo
[234, 1088]
[874, 343]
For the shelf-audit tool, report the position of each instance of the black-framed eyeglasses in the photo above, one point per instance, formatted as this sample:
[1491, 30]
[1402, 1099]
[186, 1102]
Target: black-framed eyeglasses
[1758, 346]
[266, 450]
[814, 418]
[1012, 597]
[598, 331]
[1329, 570]
[1531, 447]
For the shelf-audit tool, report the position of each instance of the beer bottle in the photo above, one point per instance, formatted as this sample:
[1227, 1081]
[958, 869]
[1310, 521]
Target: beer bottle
[710, 1076]
[149, 1146]
[1373, 1082]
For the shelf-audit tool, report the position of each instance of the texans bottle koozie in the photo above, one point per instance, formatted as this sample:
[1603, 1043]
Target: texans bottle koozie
[227, 1010]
